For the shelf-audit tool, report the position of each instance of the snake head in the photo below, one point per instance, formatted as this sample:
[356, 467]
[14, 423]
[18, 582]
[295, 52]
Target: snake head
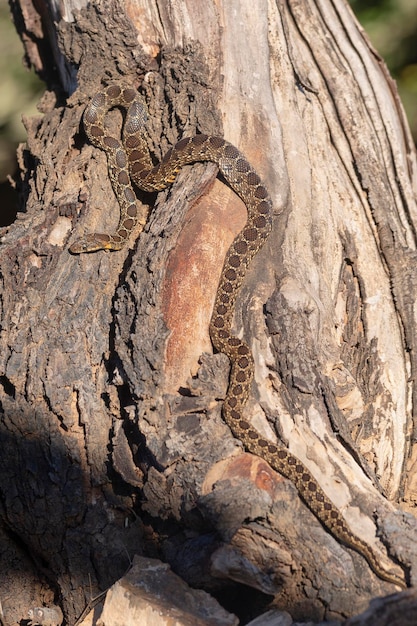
[92, 243]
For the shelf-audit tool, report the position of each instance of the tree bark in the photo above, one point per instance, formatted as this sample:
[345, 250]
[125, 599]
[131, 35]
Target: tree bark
[112, 437]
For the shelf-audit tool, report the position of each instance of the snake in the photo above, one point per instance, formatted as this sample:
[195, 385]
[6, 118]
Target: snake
[130, 162]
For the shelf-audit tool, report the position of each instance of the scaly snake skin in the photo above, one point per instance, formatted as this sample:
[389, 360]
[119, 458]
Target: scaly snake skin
[129, 160]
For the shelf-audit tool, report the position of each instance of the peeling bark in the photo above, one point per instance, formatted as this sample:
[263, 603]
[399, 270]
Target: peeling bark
[112, 437]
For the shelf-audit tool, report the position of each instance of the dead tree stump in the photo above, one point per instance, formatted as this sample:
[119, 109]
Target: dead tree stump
[110, 397]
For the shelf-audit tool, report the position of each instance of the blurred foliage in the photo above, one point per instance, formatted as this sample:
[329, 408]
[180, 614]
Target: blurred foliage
[20, 90]
[392, 28]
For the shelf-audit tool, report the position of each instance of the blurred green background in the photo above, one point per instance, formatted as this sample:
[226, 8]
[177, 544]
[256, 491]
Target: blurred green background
[19, 93]
[392, 28]
[391, 25]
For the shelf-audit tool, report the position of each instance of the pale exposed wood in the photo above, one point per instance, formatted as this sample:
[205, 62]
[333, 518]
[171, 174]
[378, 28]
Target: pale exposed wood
[152, 595]
[328, 307]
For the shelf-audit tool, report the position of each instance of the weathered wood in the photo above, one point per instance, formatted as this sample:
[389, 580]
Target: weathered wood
[150, 593]
[104, 354]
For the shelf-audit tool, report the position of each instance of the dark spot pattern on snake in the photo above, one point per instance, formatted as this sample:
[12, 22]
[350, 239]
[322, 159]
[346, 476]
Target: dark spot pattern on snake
[130, 162]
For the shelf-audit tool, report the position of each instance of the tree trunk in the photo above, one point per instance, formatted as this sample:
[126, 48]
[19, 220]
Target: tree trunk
[112, 437]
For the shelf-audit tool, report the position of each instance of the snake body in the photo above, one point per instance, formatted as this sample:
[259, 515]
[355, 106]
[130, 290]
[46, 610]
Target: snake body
[129, 160]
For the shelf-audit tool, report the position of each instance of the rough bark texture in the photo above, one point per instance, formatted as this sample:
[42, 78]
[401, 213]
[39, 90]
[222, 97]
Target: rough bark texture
[111, 432]
[173, 603]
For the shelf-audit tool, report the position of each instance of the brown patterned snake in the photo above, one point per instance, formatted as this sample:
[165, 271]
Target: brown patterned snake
[130, 160]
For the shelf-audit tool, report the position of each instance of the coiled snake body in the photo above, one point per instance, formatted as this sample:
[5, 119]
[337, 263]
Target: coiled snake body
[128, 160]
